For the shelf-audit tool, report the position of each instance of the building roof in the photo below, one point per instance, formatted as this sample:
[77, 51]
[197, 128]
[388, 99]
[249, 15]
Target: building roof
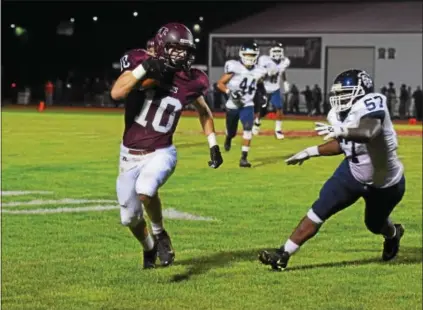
[354, 17]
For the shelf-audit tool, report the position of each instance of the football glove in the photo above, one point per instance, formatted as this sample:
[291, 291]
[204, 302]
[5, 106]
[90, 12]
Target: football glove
[236, 95]
[329, 131]
[155, 67]
[215, 157]
[302, 156]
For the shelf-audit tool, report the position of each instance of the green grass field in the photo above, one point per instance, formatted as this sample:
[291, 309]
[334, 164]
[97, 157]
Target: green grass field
[87, 260]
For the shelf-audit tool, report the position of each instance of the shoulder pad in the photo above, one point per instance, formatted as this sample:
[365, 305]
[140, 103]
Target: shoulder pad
[231, 66]
[131, 59]
[202, 80]
[371, 105]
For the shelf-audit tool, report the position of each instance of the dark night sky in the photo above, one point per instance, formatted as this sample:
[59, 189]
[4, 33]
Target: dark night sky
[95, 45]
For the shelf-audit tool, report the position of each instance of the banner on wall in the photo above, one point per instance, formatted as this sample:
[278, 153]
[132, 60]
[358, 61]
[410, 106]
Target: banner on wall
[303, 52]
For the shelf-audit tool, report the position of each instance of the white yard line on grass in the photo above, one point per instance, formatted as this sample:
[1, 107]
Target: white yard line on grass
[19, 193]
[167, 213]
[65, 201]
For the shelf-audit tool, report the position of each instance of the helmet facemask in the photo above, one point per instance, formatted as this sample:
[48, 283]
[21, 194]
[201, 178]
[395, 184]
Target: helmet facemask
[179, 56]
[276, 53]
[249, 58]
[343, 97]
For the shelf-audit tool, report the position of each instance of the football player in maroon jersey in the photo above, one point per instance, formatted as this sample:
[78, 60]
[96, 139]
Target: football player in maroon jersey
[150, 47]
[156, 89]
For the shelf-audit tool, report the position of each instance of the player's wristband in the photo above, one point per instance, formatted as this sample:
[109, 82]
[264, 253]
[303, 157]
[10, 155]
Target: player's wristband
[212, 139]
[139, 72]
[313, 151]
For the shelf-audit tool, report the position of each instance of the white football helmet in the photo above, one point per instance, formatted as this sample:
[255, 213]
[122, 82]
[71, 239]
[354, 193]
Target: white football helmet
[348, 87]
[249, 54]
[277, 52]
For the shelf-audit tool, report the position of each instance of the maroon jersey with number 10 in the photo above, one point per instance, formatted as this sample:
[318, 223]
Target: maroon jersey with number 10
[151, 115]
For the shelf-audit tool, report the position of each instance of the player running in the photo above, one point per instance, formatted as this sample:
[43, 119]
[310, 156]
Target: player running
[361, 127]
[147, 154]
[150, 47]
[239, 82]
[275, 63]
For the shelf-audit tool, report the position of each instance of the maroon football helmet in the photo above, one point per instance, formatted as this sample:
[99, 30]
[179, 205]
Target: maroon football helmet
[174, 43]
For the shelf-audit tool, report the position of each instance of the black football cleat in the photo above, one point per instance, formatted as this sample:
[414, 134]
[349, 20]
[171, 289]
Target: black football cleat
[165, 249]
[391, 246]
[150, 258]
[244, 163]
[277, 260]
[227, 144]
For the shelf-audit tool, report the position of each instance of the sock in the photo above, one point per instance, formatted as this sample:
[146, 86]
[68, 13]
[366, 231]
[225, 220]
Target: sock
[291, 247]
[157, 228]
[394, 234]
[257, 121]
[278, 126]
[148, 243]
[245, 150]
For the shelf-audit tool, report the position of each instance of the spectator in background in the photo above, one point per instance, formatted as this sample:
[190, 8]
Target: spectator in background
[294, 100]
[403, 97]
[408, 104]
[317, 99]
[308, 97]
[418, 102]
[86, 89]
[98, 89]
[391, 98]
[58, 91]
[48, 90]
[384, 90]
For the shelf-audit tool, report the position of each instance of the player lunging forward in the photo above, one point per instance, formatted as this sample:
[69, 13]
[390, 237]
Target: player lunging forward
[147, 154]
[275, 64]
[361, 127]
[150, 47]
[239, 82]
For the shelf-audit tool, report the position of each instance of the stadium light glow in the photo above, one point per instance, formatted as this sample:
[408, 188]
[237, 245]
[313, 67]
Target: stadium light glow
[95, 18]
[197, 28]
[201, 18]
[197, 40]
[135, 14]
[72, 20]
[12, 26]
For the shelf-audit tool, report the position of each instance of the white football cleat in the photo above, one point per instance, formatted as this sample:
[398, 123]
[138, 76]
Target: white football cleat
[279, 135]
[256, 130]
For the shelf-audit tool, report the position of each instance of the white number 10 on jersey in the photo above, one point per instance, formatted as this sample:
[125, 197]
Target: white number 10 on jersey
[158, 116]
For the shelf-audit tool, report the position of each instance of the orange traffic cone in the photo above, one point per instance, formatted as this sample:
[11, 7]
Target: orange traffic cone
[412, 121]
[41, 106]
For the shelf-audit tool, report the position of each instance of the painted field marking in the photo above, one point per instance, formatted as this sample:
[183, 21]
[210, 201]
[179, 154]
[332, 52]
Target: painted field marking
[110, 205]
[19, 193]
[65, 201]
[167, 213]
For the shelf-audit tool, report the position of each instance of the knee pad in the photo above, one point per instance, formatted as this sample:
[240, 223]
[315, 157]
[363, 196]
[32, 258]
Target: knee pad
[132, 214]
[314, 217]
[247, 135]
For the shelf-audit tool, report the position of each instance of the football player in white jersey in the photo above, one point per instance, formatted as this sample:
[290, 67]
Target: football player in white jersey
[239, 82]
[361, 128]
[275, 63]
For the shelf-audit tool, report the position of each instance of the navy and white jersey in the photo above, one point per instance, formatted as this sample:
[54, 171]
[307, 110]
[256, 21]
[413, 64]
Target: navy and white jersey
[274, 70]
[375, 163]
[244, 80]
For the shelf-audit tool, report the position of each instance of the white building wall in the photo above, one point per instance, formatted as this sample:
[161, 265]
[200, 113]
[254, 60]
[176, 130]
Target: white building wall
[406, 68]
